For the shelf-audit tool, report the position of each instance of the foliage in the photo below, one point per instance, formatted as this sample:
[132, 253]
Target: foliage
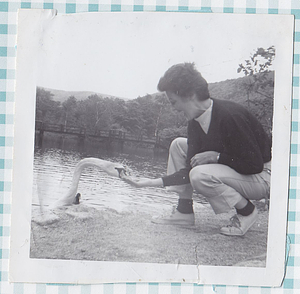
[259, 84]
[145, 116]
[259, 62]
[152, 115]
[47, 109]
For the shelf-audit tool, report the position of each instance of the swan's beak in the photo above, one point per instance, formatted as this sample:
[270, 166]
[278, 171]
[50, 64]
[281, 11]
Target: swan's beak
[121, 170]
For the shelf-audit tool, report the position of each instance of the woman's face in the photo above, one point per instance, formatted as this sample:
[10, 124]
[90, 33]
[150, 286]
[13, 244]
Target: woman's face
[176, 101]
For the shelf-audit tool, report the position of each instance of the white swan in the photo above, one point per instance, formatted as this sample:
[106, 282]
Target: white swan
[113, 169]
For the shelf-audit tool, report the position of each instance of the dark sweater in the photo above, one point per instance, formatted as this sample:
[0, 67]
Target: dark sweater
[234, 133]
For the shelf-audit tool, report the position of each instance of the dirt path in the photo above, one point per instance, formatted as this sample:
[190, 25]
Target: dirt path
[84, 233]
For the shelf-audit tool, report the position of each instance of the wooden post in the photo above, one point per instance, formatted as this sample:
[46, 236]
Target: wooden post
[156, 144]
[41, 135]
[109, 140]
[81, 141]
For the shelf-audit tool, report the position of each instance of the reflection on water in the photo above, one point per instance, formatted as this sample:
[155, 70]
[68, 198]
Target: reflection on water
[53, 171]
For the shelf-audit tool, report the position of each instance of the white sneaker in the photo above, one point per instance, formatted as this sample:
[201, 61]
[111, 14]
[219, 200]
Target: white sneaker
[176, 218]
[239, 224]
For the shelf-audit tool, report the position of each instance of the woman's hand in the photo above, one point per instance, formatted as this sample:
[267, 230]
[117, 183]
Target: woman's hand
[142, 182]
[204, 158]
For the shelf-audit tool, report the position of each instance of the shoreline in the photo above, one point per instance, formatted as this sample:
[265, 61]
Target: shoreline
[79, 232]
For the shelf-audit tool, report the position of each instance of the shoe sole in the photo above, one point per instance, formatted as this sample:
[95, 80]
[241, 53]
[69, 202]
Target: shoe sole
[184, 224]
[231, 234]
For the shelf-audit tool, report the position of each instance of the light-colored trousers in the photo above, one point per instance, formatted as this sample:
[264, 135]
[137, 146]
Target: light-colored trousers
[221, 185]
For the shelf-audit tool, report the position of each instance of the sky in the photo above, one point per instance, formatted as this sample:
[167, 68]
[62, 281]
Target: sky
[125, 54]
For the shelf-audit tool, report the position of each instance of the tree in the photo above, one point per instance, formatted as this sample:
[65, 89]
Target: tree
[47, 110]
[161, 101]
[69, 109]
[150, 115]
[259, 84]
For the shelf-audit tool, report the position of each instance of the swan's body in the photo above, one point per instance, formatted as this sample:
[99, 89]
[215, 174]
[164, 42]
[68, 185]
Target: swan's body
[113, 169]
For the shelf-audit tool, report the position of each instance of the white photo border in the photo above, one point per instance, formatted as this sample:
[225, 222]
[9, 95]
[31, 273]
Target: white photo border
[93, 272]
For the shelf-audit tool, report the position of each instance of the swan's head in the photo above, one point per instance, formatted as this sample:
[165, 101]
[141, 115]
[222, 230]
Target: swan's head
[121, 171]
[77, 198]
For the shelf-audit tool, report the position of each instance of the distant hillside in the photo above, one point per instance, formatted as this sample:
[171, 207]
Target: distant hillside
[260, 102]
[235, 89]
[61, 95]
[229, 90]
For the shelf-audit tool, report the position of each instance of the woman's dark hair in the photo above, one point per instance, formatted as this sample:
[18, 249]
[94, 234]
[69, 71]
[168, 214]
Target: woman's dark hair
[184, 80]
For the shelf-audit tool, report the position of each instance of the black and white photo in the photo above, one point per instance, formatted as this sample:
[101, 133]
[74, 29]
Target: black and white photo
[153, 144]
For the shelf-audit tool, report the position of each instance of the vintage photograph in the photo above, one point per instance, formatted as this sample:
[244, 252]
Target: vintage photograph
[153, 139]
[97, 216]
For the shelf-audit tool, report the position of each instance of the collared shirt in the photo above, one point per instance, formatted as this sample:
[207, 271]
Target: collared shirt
[205, 118]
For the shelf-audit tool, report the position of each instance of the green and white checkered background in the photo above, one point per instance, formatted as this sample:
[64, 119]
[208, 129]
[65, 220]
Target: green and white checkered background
[8, 29]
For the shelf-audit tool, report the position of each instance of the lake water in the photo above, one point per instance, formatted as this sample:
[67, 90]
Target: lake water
[53, 171]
